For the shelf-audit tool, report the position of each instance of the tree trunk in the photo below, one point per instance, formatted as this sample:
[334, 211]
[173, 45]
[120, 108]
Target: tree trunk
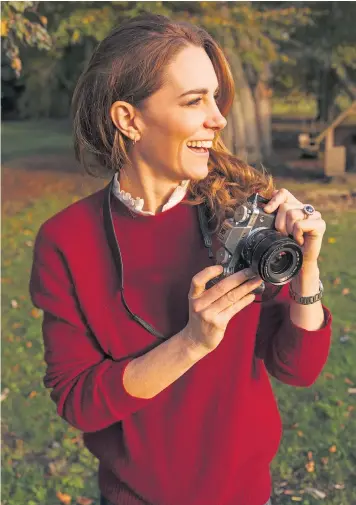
[263, 95]
[234, 134]
[243, 114]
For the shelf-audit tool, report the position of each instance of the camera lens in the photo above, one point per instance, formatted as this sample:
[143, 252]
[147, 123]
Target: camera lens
[275, 257]
[281, 262]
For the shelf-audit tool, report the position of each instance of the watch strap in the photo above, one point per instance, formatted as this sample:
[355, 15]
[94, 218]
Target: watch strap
[306, 300]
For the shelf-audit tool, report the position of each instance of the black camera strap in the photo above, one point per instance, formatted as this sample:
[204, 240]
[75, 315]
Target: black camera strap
[117, 258]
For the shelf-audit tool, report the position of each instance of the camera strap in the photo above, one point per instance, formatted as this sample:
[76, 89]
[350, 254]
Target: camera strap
[117, 258]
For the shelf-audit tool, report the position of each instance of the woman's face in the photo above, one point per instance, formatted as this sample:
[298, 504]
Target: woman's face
[183, 110]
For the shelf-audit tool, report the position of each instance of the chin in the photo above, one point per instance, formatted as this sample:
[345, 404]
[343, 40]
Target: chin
[198, 173]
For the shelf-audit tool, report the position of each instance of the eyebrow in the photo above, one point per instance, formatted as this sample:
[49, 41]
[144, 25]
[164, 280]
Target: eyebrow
[199, 91]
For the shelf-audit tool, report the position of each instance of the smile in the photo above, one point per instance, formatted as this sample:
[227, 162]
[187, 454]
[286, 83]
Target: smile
[199, 151]
[200, 148]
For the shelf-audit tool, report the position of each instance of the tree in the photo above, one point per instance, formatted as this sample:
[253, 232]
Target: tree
[21, 24]
[323, 56]
[251, 34]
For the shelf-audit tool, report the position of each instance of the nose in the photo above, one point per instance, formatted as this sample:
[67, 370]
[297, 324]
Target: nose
[215, 121]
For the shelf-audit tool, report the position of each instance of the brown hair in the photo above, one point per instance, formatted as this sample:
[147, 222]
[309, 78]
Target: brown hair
[129, 65]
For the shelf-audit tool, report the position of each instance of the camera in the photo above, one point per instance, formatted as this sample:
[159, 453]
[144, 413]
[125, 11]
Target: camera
[249, 240]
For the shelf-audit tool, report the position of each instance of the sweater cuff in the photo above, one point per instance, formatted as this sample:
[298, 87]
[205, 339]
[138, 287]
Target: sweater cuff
[127, 404]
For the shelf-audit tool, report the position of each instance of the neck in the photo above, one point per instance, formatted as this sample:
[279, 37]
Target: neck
[154, 191]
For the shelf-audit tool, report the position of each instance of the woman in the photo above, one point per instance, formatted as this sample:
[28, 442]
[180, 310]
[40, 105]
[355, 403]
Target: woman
[168, 379]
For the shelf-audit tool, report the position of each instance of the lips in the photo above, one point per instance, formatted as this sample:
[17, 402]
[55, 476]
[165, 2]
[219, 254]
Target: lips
[199, 151]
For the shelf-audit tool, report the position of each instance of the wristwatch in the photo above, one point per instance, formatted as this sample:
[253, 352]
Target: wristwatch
[307, 300]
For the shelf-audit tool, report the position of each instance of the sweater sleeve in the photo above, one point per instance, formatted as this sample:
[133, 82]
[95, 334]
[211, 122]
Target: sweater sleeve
[291, 354]
[87, 385]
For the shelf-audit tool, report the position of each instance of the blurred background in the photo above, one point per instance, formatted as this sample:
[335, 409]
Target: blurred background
[294, 66]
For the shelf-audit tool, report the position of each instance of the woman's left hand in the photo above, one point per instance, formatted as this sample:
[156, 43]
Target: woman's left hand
[291, 220]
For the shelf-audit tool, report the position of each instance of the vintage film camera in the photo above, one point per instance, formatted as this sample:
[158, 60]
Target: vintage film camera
[249, 240]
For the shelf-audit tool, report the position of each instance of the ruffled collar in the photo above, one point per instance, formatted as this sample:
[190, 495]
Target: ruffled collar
[136, 204]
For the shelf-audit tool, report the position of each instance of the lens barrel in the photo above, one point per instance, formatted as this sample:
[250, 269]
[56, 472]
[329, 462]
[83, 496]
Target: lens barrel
[275, 257]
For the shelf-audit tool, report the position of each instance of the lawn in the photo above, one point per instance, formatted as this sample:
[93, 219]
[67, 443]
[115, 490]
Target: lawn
[25, 138]
[44, 461]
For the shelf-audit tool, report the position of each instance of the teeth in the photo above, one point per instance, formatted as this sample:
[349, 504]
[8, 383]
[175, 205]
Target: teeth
[200, 143]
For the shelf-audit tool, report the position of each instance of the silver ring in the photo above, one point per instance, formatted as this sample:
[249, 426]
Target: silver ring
[308, 210]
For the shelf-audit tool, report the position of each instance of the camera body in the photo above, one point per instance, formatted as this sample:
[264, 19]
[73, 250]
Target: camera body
[249, 240]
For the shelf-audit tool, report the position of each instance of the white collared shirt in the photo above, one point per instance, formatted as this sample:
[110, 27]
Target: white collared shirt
[136, 204]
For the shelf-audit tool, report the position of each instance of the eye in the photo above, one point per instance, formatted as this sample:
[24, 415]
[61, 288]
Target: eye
[198, 100]
[194, 102]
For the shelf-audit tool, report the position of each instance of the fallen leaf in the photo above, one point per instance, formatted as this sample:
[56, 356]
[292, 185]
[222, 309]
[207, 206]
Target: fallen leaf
[310, 466]
[315, 493]
[329, 375]
[325, 460]
[28, 344]
[300, 433]
[332, 448]
[336, 281]
[348, 381]
[345, 291]
[36, 313]
[350, 408]
[288, 492]
[14, 304]
[4, 394]
[344, 338]
[32, 394]
[82, 500]
[6, 280]
[339, 486]
[351, 391]
[29, 243]
[331, 240]
[296, 498]
[64, 498]
[310, 455]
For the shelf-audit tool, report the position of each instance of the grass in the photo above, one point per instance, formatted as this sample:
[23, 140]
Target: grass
[25, 138]
[43, 456]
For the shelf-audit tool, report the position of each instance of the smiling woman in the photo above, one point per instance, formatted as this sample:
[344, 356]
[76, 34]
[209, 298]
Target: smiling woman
[176, 402]
[167, 90]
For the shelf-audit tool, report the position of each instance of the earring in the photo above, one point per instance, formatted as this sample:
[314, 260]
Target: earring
[135, 139]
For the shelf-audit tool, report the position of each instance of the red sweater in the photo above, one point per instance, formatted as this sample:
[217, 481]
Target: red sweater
[208, 438]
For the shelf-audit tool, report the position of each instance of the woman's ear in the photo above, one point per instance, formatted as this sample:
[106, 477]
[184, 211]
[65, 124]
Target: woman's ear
[124, 117]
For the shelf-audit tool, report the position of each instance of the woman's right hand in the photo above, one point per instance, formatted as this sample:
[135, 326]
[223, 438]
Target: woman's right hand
[210, 310]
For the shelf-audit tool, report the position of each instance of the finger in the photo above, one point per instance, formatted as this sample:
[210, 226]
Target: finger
[227, 314]
[310, 229]
[224, 286]
[294, 215]
[280, 222]
[234, 296]
[282, 196]
[199, 280]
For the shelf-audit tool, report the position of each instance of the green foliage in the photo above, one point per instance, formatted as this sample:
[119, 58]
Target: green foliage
[76, 27]
[21, 24]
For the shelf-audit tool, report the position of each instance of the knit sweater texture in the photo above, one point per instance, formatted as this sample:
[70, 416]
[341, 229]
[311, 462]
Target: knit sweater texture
[208, 438]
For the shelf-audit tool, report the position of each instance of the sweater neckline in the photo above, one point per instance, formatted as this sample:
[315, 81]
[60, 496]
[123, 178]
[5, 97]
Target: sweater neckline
[135, 205]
